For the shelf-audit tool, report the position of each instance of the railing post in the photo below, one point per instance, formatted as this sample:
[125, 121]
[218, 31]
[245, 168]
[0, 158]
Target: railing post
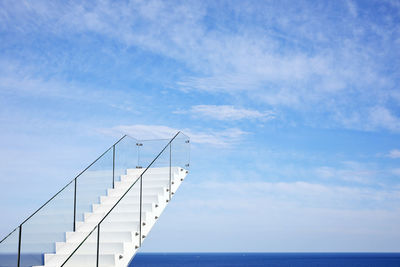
[170, 178]
[74, 205]
[98, 244]
[19, 245]
[188, 155]
[138, 145]
[113, 166]
[140, 212]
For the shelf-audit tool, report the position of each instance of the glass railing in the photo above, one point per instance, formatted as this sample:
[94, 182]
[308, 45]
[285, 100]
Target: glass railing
[121, 171]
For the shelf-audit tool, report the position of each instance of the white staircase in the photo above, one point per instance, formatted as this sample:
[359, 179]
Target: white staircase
[119, 232]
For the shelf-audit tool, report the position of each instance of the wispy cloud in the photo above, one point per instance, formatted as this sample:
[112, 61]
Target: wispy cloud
[394, 154]
[225, 112]
[293, 65]
[375, 118]
[307, 194]
[350, 172]
[19, 80]
[381, 117]
[212, 137]
[83, 65]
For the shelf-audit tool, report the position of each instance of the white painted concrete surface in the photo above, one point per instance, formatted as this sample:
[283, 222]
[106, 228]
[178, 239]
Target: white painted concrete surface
[119, 232]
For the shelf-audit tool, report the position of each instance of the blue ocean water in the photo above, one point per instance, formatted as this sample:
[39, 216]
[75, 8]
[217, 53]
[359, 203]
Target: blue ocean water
[266, 259]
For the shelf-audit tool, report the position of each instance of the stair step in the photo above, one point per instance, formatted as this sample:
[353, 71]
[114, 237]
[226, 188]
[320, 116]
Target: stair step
[116, 216]
[149, 176]
[146, 189]
[149, 173]
[106, 236]
[125, 184]
[80, 259]
[108, 226]
[150, 170]
[122, 207]
[90, 247]
[132, 199]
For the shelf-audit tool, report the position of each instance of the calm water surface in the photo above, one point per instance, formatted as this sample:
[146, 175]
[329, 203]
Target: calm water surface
[267, 259]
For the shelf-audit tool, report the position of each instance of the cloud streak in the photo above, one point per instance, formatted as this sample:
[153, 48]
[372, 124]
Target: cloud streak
[222, 138]
[225, 112]
[394, 154]
[306, 194]
[302, 64]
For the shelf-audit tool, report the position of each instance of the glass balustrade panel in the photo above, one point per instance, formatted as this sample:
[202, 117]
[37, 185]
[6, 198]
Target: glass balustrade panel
[47, 226]
[149, 149]
[85, 252]
[126, 157]
[180, 147]
[114, 191]
[92, 185]
[9, 250]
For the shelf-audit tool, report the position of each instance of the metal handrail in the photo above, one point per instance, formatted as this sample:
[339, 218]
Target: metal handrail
[126, 192]
[9, 234]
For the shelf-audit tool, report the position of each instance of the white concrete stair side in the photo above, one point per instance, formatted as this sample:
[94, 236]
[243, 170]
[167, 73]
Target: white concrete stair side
[119, 231]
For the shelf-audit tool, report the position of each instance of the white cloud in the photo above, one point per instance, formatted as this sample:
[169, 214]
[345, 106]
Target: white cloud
[349, 172]
[369, 119]
[394, 154]
[305, 194]
[293, 64]
[17, 79]
[140, 131]
[381, 117]
[225, 112]
[225, 137]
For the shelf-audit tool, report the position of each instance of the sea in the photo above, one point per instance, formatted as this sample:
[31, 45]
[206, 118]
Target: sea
[266, 259]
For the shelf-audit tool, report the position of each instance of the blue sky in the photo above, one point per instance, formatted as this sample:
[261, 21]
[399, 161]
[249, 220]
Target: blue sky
[293, 108]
